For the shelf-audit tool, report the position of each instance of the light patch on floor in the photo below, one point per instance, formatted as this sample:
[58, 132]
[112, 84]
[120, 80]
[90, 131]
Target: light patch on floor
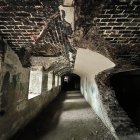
[71, 115]
[74, 100]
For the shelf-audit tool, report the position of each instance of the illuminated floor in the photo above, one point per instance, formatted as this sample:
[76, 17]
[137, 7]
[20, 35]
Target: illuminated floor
[69, 117]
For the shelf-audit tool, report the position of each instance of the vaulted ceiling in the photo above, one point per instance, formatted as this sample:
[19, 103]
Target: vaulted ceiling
[36, 29]
[39, 33]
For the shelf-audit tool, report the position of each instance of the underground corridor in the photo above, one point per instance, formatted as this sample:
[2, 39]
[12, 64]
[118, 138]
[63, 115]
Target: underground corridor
[69, 69]
[68, 117]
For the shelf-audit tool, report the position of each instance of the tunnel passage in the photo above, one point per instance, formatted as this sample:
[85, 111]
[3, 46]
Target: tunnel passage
[70, 82]
[127, 90]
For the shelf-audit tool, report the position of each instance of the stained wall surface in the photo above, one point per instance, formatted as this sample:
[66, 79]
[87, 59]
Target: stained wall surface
[87, 65]
[15, 108]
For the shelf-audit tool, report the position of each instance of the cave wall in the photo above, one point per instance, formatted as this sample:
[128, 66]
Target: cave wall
[15, 108]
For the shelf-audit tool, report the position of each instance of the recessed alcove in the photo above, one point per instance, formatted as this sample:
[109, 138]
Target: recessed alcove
[127, 90]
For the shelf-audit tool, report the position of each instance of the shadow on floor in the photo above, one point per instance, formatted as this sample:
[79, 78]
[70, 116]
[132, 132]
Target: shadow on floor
[50, 116]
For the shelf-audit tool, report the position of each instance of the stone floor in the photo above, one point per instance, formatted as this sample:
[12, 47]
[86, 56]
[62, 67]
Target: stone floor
[68, 117]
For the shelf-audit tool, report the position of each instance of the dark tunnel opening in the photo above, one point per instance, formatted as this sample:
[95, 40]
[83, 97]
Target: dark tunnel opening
[70, 82]
[127, 90]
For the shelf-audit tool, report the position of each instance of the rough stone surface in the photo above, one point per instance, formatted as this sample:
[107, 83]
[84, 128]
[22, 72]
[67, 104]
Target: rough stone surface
[123, 125]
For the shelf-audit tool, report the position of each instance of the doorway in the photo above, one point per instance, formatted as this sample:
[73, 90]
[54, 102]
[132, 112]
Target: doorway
[70, 82]
[127, 90]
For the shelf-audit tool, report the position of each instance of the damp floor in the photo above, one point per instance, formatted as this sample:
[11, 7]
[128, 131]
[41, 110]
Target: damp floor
[68, 117]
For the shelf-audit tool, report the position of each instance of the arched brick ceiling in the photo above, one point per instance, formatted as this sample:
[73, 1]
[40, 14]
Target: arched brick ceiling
[21, 22]
[35, 28]
[35, 24]
[110, 27]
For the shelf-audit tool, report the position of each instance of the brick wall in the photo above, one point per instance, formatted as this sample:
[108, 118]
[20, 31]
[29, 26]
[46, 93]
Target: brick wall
[119, 23]
[113, 30]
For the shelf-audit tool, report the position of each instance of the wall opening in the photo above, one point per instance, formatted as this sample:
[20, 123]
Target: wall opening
[35, 83]
[56, 80]
[127, 90]
[70, 82]
[59, 81]
[50, 81]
